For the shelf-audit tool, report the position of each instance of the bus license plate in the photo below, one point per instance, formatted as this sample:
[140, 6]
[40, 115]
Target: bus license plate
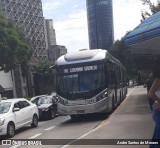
[80, 111]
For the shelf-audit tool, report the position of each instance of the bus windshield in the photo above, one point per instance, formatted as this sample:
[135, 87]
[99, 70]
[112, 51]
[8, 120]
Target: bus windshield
[80, 83]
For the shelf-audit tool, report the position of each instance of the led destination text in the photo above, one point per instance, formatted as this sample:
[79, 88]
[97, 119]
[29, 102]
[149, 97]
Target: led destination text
[81, 69]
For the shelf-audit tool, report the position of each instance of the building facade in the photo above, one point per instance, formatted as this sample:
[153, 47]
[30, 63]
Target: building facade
[57, 51]
[28, 15]
[54, 50]
[51, 34]
[50, 37]
[100, 23]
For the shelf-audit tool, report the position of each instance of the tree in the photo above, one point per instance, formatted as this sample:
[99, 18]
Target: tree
[153, 8]
[120, 51]
[44, 79]
[14, 48]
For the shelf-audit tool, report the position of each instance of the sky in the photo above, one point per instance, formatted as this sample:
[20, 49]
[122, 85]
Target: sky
[70, 20]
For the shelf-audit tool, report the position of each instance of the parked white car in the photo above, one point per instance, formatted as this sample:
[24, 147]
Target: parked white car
[17, 113]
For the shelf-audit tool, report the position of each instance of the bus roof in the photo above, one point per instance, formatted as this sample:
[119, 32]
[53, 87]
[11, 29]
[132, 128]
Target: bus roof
[83, 56]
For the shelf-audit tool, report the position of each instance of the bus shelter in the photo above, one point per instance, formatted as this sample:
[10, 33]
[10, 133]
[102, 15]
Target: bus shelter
[144, 41]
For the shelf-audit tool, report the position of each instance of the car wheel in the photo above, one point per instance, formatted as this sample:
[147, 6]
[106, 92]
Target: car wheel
[52, 114]
[10, 130]
[34, 121]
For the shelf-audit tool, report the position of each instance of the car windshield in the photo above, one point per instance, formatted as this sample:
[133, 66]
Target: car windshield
[4, 107]
[44, 100]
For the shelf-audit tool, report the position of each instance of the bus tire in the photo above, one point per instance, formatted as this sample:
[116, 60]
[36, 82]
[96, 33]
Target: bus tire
[126, 90]
[113, 105]
[74, 117]
[120, 99]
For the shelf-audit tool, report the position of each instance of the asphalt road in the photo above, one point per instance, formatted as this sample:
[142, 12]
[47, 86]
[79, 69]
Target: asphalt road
[131, 120]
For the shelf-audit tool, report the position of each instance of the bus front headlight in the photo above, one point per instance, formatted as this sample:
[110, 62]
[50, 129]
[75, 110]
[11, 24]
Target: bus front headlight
[101, 96]
[62, 101]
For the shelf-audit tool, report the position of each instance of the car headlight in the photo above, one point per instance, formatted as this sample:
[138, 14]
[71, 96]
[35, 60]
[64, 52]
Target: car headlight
[45, 109]
[2, 121]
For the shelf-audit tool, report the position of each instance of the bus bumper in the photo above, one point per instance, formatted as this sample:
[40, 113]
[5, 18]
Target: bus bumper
[101, 106]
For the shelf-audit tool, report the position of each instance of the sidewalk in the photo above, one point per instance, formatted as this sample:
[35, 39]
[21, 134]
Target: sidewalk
[131, 120]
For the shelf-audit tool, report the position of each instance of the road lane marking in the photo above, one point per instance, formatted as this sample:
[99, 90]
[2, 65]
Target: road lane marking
[52, 127]
[83, 136]
[35, 136]
[15, 146]
[131, 92]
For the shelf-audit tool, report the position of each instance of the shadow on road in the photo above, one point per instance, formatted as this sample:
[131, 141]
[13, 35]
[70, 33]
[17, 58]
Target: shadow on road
[88, 118]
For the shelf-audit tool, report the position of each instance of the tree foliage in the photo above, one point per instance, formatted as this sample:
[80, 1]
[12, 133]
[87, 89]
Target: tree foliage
[14, 49]
[152, 7]
[44, 79]
[123, 53]
[42, 69]
[120, 51]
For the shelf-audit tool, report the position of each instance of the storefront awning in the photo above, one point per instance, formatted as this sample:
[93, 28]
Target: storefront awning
[145, 38]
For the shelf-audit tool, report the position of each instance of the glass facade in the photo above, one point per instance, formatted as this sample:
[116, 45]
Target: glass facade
[100, 23]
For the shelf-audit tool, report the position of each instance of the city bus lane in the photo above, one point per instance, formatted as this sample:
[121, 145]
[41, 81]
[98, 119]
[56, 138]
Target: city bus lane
[68, 132]
[71, 130]
[129, 126]
[61, 129]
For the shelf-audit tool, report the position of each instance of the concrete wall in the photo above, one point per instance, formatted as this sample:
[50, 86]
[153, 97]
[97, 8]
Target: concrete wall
[7, 82]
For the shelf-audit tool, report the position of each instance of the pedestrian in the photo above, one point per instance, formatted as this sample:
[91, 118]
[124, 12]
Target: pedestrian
[148, 84]
[154, 93]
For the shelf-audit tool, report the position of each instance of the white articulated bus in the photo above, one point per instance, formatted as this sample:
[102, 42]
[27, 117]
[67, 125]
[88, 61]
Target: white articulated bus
[89, 81]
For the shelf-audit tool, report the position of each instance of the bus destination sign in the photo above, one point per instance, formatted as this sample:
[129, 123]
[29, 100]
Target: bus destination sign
[81, 69]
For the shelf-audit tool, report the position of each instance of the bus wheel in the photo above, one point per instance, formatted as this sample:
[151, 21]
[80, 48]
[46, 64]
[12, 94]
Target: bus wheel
[74, 117]
[113, 105]
[120, 97]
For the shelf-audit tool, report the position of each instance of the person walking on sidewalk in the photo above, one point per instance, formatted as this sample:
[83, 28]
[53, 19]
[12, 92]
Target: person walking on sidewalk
[148, 84]
[154, 93]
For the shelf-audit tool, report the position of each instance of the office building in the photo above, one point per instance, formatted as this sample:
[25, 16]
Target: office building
[28, 15]
[54, 50]
[100, 23]
[51, 35]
